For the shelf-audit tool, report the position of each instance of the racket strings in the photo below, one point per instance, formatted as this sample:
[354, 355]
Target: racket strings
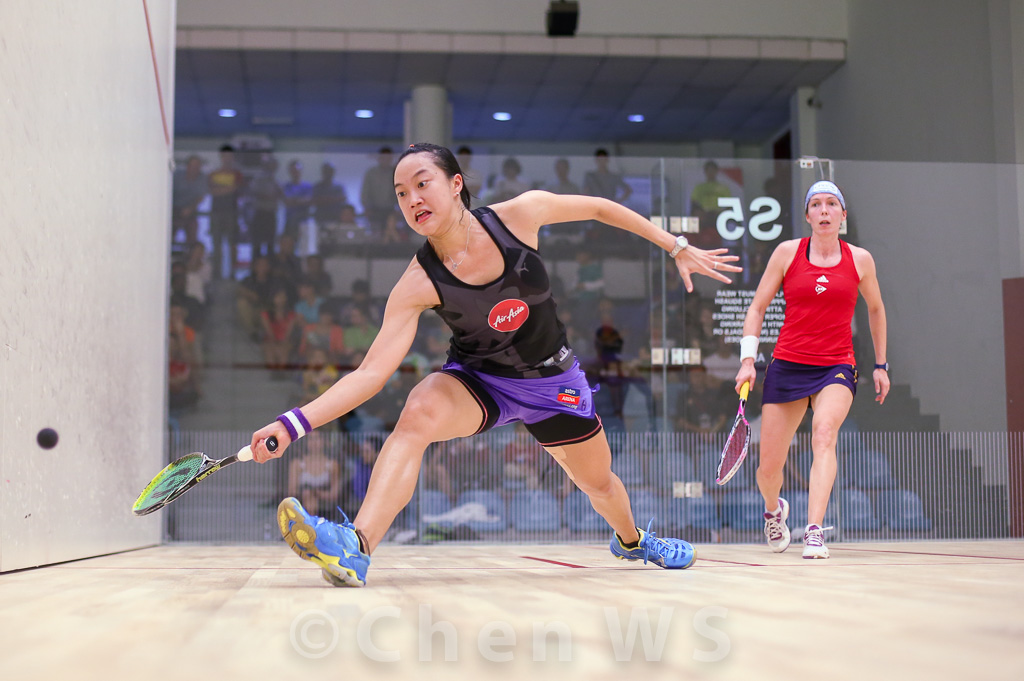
[169, 479]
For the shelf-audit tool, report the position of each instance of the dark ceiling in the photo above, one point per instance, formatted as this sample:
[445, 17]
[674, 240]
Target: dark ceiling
[313, 94]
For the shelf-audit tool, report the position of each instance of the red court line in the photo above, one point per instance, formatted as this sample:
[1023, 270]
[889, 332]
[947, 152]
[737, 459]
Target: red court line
[156, 73]
[553, 562]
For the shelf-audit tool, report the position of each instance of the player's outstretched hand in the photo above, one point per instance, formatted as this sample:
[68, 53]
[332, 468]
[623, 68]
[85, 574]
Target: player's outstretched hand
[260, 453]
[713, 263]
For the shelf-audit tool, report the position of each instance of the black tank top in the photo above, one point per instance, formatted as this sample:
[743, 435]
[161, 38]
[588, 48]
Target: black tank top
[507, 327]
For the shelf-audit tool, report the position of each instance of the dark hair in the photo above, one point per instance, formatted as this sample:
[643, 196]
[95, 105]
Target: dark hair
[601, 152]
[511, 165]
[443, 159]
[227, 147]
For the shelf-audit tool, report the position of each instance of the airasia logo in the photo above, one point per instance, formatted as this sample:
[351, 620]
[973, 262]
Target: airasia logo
[508, 315]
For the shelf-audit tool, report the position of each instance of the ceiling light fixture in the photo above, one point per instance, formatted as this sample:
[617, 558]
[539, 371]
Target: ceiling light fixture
[502, 116]
[635, 118]
[364, 113]
[227, 113]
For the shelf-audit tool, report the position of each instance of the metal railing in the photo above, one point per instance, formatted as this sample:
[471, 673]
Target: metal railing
[502, 487]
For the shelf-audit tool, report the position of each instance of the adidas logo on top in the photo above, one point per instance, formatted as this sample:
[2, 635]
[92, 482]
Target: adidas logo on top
[823, 279]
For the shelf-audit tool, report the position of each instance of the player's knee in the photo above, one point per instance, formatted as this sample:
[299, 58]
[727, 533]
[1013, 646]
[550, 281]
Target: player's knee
[823, 435]
[599, 486]
[423, 412]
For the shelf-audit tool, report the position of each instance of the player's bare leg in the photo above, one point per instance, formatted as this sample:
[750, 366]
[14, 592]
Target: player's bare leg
[439, 408]
[588, 464]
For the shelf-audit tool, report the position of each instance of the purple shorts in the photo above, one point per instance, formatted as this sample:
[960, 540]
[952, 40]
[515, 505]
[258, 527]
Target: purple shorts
[555, 409]
[789, 381]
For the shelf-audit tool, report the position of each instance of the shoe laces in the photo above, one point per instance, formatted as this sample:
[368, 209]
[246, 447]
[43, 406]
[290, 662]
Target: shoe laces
[773, 525]
[814, 537]
[653, 544]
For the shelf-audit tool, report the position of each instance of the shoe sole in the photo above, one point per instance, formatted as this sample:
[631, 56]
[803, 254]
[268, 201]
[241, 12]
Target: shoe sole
[301, 537]
[817, 555]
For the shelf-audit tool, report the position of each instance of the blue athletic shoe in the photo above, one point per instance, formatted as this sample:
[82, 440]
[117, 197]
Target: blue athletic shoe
[673, 554]
[333, 547]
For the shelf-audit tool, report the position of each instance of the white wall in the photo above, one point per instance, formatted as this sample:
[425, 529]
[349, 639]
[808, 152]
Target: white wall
[83, 223]
[929, 228]
[819, 19]
[916, 86]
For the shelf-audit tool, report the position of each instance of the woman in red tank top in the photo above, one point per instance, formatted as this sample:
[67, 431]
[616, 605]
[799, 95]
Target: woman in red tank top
[813, 363]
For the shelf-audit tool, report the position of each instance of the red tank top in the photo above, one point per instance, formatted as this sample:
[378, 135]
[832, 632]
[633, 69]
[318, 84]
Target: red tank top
[819, 309]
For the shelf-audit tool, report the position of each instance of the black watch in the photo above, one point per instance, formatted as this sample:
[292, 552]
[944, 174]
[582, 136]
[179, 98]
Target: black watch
[882, 366]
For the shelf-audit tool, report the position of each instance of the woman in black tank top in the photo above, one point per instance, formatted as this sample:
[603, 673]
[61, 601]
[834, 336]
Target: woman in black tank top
[480, 270]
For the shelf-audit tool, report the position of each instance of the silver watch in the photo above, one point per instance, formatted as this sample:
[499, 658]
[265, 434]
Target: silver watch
[681, 243]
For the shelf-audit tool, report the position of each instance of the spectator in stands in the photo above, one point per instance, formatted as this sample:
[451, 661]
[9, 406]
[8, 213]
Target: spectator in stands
[314, 477]
[309, 303]
[395, 230]
[266, 194]
[360, 331]
[183, 371]
[255, 293]
[298, 200]
[589, 288]
[316, 275]
[704, 205]
[472, 179]
[508, 186]
[281, 331]
[378, 192]
[360, 297]
[603, 182]
[608, 345]
[521, 469]
[319, 374]
[180, 296]
[198, 272]
[435, 473]
[362, 465]
[724, 362]
[324, 335]
[286, 266]
[226, 184]
[328, 199]
[706, 404]
[562, 183]
[189, 190]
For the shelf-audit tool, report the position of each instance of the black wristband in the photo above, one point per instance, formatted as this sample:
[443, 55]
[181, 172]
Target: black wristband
[882, 366]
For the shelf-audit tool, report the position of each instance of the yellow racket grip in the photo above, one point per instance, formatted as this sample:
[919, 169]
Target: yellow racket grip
[744, 390]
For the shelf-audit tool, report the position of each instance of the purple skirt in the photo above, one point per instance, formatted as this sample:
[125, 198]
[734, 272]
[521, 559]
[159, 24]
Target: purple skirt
[532, 400]
[789, 381]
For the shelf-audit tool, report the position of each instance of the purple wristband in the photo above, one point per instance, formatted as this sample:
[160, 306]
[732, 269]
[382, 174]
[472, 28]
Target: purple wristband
[295, 423]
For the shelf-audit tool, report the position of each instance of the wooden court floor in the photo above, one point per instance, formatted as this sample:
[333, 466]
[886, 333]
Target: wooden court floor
[874, 611]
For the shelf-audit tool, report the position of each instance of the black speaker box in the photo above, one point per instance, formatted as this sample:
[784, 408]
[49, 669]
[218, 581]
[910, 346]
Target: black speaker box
[562, 18]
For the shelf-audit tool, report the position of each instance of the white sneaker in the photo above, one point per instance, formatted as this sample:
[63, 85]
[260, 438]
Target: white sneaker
[814, 542]
[775, 529]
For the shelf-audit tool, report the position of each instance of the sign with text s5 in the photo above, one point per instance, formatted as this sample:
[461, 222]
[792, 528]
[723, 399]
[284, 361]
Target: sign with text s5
[765, 210]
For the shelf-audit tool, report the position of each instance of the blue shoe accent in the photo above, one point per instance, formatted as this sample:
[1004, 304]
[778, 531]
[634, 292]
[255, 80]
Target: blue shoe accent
[673, 554]
[333, 547]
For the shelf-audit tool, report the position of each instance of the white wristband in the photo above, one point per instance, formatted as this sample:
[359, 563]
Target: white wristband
[748, 348]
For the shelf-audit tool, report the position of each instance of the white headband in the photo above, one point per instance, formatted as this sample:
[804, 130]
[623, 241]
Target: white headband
[824, 187]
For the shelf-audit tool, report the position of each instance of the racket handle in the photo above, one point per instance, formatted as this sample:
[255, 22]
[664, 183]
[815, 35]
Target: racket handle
[245, 453]
[744, 390]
